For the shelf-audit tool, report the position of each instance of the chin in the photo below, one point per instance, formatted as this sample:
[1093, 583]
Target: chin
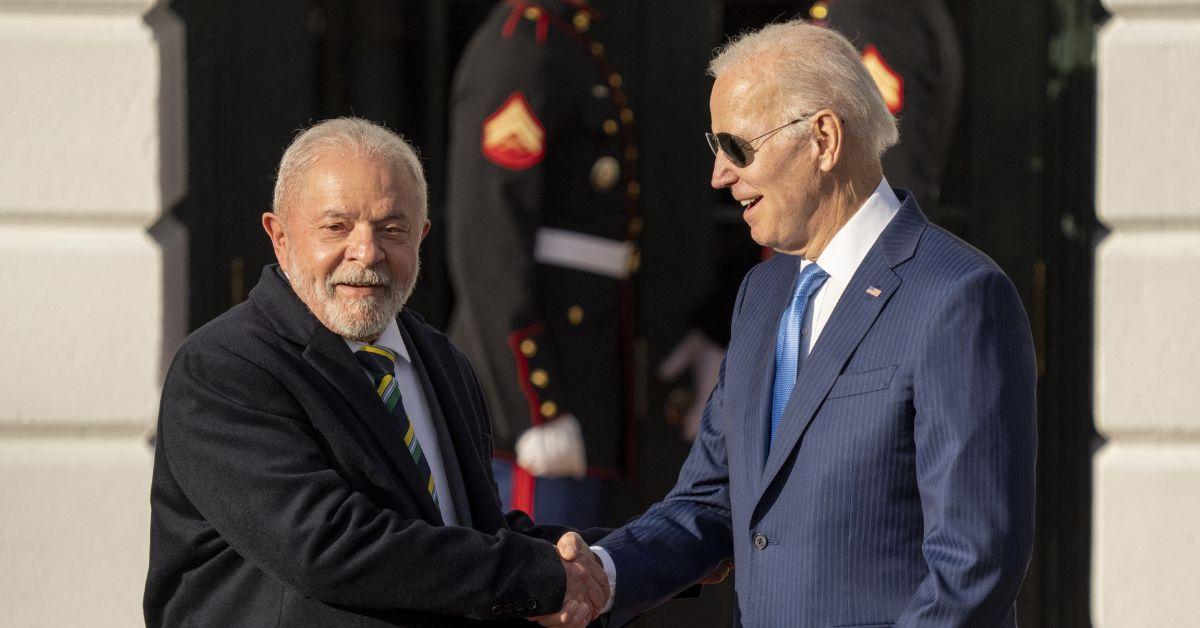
[359, 319]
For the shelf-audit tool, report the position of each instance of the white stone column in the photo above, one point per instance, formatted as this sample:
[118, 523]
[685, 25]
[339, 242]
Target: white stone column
[92, 297]
[1146, 545]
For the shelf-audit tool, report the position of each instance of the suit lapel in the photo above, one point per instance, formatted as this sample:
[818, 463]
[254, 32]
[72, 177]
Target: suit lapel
[455, 490]
[482, 507]
[289, 317]
[770, 296]
[853, 317]
[329, 355]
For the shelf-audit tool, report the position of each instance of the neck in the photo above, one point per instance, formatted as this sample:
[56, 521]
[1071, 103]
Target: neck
[841, 197]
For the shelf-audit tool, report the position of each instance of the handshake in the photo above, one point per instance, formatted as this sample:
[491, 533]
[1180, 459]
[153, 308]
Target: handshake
[587, 591]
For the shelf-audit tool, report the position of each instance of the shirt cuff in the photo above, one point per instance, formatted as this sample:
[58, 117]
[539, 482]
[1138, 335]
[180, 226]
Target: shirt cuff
[610, 571]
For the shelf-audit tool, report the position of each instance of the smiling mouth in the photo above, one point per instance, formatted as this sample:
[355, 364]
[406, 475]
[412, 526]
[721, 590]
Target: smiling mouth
[749, 203]
[360, 289]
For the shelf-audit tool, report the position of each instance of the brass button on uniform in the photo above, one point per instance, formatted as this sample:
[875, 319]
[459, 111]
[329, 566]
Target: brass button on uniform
[533, 13]
[819, 10]
[626, 115]
[635, 227]
[597, 48]
[575, 315]
[631, 153]
[610, 127]
[549, 409]
[633, 189]
[605, 173]
[582, 21]
[528, 348]
[539, 378]
[635, 261]
[614, 79]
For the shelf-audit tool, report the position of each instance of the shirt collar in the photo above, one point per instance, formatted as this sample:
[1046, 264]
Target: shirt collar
[851, 243]
[389, 339]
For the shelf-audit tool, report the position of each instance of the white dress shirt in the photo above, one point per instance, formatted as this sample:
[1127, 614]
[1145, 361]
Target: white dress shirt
[840, 259]
[842, 256]
[417, 408]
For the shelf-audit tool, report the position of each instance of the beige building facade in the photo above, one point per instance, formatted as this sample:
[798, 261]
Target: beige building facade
[92, 158]
[1146, 517]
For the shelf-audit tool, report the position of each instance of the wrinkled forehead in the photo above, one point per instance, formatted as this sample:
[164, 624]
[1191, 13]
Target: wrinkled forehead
[336, 177]
[743, 99]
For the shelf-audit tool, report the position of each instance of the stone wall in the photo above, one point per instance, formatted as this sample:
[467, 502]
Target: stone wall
[1146, 546]
[92, 158]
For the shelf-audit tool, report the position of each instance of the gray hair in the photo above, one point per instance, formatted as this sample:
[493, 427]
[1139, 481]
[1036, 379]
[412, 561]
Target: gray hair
[348, 137]
[813, 68]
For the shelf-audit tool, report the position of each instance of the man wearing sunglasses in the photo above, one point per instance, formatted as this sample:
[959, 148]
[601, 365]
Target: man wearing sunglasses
[867, 456]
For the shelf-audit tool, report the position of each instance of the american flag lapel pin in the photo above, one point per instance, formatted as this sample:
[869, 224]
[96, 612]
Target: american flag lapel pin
[873, 291]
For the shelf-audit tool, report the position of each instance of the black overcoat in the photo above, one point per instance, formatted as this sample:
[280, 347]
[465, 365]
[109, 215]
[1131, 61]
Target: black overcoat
[283, 496]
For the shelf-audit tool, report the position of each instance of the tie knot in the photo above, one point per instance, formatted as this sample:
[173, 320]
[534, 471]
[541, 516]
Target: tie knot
[810, 280]
[377, 360]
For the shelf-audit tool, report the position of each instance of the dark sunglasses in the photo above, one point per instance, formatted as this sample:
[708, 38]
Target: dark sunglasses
[739, 151]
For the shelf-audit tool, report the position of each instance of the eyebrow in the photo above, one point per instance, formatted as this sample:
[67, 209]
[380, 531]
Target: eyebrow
[392, 215]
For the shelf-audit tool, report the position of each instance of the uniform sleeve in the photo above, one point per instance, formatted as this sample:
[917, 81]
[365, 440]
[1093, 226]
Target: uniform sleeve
[245, 455]
[503, 121]
[975, 432]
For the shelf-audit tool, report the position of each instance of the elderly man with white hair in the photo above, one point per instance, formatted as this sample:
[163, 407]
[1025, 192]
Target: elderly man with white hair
[867, 456]
[323, 456]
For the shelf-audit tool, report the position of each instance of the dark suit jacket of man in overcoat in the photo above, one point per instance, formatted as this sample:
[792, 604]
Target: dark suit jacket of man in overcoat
[900, 487]
[283, 494]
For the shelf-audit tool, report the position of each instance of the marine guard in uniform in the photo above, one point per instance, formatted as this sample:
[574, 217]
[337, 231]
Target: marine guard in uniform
[911, 49]
[542, 229]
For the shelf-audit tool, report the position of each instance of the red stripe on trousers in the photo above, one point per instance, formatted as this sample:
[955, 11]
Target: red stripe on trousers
[523, 491]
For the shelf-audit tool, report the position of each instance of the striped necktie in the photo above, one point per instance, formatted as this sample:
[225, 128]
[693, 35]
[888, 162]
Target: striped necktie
[380, 363]
[787, 343]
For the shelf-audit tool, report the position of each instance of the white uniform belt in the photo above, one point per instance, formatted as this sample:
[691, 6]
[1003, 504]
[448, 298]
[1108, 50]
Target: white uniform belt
[580, 251]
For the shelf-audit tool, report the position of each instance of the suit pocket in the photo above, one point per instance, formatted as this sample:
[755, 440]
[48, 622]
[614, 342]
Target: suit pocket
[851, 384]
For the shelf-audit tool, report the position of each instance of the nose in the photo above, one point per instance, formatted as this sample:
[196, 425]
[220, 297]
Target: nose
[723, 174]
[363, 247]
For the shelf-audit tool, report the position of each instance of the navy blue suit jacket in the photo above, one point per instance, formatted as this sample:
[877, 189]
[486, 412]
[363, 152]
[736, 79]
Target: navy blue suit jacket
[900, 489]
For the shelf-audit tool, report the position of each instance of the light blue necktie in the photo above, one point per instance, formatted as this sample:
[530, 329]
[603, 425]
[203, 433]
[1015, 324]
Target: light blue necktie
[787, 342]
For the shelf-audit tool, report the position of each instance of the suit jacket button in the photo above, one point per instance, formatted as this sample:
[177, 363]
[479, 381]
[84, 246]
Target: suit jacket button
[533, 604]
[508, 608]
[497, 609]
[520, 606]
[760, 541]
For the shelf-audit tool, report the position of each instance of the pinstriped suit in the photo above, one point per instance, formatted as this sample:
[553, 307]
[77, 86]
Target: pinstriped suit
[900, 488]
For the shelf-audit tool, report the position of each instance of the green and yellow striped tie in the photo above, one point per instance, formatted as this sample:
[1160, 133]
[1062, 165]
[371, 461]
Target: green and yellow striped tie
[380, 363]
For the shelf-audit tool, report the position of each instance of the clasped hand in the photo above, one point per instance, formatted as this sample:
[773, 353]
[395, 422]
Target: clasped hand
[587, 585]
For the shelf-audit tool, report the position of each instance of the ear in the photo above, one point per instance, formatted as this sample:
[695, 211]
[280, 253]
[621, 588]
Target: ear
[425, 230]
[273, 225]
[829, 135]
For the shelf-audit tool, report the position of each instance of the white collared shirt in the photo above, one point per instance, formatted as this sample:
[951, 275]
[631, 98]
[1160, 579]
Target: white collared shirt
[843, 255]
[417, 409]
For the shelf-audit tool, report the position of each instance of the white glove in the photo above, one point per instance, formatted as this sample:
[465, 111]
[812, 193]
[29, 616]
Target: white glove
[697, 353]
[553, 449]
